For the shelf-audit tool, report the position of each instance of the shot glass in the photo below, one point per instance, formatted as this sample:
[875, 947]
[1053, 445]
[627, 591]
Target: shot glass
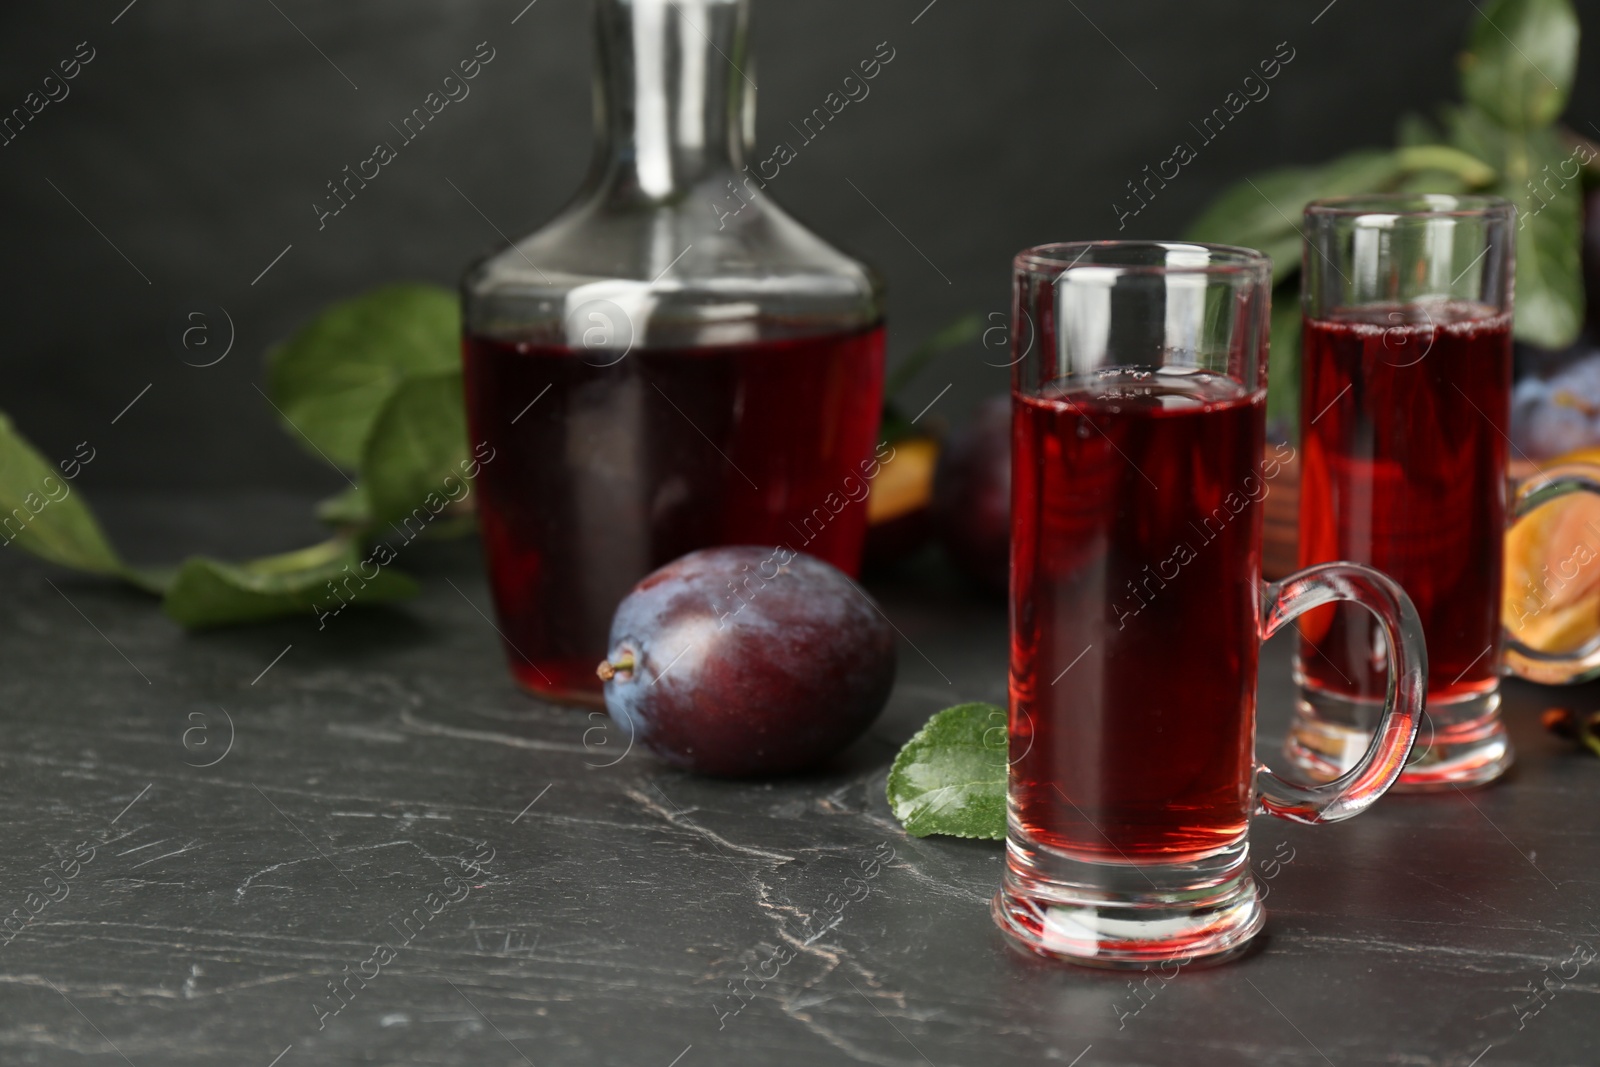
[1405, 413]
[1138, 610]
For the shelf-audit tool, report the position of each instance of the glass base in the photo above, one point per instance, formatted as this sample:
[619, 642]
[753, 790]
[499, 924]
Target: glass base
[1125, 915]
[1460, 743]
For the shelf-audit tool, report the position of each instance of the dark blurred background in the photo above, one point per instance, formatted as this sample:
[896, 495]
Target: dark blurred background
[201, 133]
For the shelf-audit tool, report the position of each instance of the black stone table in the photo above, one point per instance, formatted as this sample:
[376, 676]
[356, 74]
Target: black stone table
[279, 845]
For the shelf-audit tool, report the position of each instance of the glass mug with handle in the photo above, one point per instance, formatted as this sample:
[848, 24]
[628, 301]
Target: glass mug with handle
[1137, 611]
[1405, 413]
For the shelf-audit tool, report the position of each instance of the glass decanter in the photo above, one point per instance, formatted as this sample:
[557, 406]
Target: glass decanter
[671, 363]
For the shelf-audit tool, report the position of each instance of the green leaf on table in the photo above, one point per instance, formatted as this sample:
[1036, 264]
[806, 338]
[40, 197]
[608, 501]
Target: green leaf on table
[315, 580]
[1520, 60]
[332, 378]
[416, 455]
[154, 580]
[951, 777]
[41, 512]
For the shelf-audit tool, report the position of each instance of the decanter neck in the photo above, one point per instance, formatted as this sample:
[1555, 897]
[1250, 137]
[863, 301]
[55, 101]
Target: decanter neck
[672, 92]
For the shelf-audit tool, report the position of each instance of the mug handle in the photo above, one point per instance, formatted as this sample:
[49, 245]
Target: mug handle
[1407, 688]
[1553, 668]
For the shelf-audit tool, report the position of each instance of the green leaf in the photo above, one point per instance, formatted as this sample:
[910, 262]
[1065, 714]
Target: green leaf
[965, 329]
[417, 453]
[1414, 129]
[349, 508]
[1550, 297]
[1263, 212]
[1466, 168]
[316, 580]
[41, 512]
[331, 379]
[1476, 133]
[894, 425]
[1283, 362]
[153, 580]
[951, 777]
[1544, 179]
[1520, 60]
[1433, 181]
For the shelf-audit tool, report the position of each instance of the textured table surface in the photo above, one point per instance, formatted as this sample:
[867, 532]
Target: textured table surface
[381, 801]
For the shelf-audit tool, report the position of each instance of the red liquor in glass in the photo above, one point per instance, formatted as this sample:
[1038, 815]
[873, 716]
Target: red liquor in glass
[1137, 608]
[1136, 522]
[609, 465]
[1405, 404]
[1404, 467]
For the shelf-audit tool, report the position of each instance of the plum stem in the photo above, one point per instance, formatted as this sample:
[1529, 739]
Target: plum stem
[609, 669]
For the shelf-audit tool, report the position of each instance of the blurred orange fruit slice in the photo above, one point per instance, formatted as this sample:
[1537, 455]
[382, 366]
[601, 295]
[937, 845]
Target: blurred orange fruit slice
[1551, 598]
[905, 483]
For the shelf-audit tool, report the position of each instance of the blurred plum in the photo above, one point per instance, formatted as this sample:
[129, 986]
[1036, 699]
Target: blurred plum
[972, 495]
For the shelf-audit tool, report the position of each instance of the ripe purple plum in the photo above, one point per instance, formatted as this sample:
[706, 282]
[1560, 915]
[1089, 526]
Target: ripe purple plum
[972, 495]
[747, 660]
[1554, 415]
